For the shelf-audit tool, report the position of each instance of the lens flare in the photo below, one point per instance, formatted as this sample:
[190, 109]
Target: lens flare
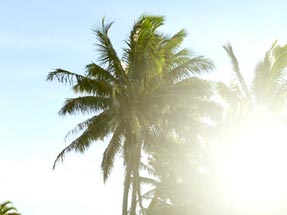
[252, 164]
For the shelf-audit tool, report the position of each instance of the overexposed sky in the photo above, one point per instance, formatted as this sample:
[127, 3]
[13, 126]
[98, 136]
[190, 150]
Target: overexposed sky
[39, 36]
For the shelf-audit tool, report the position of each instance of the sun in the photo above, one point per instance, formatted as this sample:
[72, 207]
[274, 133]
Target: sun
[252, 164]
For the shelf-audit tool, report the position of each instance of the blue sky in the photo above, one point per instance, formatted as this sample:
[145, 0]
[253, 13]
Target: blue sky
[39, 36]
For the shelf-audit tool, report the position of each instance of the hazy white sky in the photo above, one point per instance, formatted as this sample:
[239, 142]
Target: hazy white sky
[39, 36]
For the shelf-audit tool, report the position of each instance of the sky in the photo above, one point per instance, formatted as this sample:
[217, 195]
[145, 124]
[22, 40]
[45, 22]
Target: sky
[37, 37]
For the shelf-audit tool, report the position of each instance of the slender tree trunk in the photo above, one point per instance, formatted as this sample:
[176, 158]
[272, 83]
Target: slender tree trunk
[129, 180]
[135, 160]
[126, 191]
[134, 170]
[136, 183]
[134, 197]
[137, 179]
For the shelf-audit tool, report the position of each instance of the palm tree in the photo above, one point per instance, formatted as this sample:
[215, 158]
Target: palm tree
[178, 184]
[127, 95]
[6, 208]
[264, 96]
[268, 88]
[178, 157]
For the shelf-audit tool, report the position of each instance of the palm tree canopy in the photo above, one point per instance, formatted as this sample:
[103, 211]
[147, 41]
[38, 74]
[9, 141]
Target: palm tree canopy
[268, 89]
[269, 83]
[123, 92]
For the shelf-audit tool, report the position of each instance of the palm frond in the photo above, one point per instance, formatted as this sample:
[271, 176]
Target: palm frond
[5, 203]
[113, 148]
[79, 128]
[226, 93]
[193, 87]
[147, 169]
[208, 108]
[13, 213]
[182, 53]
[146, 180]
[143, 54]
[262, 80]
[97, 72]
[5, 210]
[171, 44]
[185, 68]
[98, 128]
[92, 86]
[270, 73]
[228, 48]
[85, 104]
[64, 76]
[149, 194]
[278, 99]
[189, 88]
[279, 59]
[107, 53]
[279, 65]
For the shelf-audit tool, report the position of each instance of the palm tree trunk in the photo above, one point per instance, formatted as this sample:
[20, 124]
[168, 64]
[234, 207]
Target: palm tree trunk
[134, 172]
[134, 197]
[136, 152]
[126, 191]
[140, 195]
[137, 179]
[135, 162]
[136, 194]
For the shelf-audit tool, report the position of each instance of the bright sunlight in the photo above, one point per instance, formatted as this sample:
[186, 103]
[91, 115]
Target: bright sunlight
[252, 164]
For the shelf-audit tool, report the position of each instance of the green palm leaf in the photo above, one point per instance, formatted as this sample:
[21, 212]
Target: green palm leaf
[173, 43]
[98, 127]
[64, 76]
[143, 55]
[85, 104]
[6, 208]
[186, 67]
[270, 74]
[97, 72]
[114, 147]
[107, 53]
[228, 48]
[95, 87]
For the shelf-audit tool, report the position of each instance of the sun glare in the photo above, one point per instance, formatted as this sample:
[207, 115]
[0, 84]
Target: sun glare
[252, 164]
